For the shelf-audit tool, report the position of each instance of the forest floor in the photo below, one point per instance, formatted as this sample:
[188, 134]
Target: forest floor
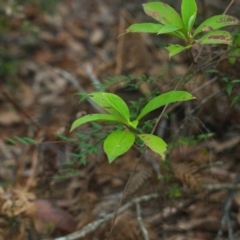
[46, 189]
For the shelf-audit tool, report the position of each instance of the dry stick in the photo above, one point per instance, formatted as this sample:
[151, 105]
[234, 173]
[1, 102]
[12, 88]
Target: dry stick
[229, 5]
[123, 194]
[92, 76]
[226, 218]
[119, 57]
[140, 221]
[96, 224]
[222, 186]
[77, 85]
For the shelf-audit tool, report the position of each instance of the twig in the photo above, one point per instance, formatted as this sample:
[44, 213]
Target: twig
[120, 44]
[123, 194]
[225, 217]
[140, 221]
[96, 224]
[77, 85]
[92, 76]
[229, 5]
[221, 186]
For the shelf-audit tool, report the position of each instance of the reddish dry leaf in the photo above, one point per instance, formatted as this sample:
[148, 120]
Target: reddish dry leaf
[46, 215]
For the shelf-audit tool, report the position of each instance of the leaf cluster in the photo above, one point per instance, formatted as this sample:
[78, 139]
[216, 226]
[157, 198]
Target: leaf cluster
[181, 26]
[118, 142]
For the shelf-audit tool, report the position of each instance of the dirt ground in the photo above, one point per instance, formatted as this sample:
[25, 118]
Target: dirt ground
[59, 185]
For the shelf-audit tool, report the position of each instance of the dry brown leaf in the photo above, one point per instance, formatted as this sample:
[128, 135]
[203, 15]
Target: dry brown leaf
[184, 173]
[8, 118]
[46, 217]
[126, 228]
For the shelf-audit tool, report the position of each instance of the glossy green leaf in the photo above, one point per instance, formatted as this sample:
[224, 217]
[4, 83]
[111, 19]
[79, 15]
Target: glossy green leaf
[175, 49]
[94, 117]
[156, 144]
[163, 99]
[179, 34]
[191, 23]
[134, 123]
[145, 28]
[168, 29]
[216, 22]
[163, 13]
[112, 104]
[189, 13]
[216, 37]
[117, 143]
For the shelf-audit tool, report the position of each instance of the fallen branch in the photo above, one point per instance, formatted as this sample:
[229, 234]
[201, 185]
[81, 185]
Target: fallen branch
[96, 224]
[221, 186]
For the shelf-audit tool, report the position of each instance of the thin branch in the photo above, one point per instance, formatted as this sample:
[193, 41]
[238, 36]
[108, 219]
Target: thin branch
[221, 186]
[225, 217]
[229, 5]
[77, 85]
[140, 221]
[124, 192]
[92, 76]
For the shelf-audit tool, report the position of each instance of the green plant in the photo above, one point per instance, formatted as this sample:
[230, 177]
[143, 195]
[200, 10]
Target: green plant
[118, 142]
[230, 87]
[234, 50]
[170, 22]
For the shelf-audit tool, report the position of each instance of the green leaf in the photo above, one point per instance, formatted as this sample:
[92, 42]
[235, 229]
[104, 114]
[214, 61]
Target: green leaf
[117, 143]
[216, 37]
[163, 99]
[21, 140]
[30, 140]
[189, 13]
[180, 35]
[234, 55]
[134, 123]
[229, 89]
[235, 99]
[216, 22]
[113, 105]
[94, 117]
[163, 13]
[11, 141]
[168, 29]
[191, 23]
[145, 28]
[156, 144]
[175, 49]
[235, 81]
